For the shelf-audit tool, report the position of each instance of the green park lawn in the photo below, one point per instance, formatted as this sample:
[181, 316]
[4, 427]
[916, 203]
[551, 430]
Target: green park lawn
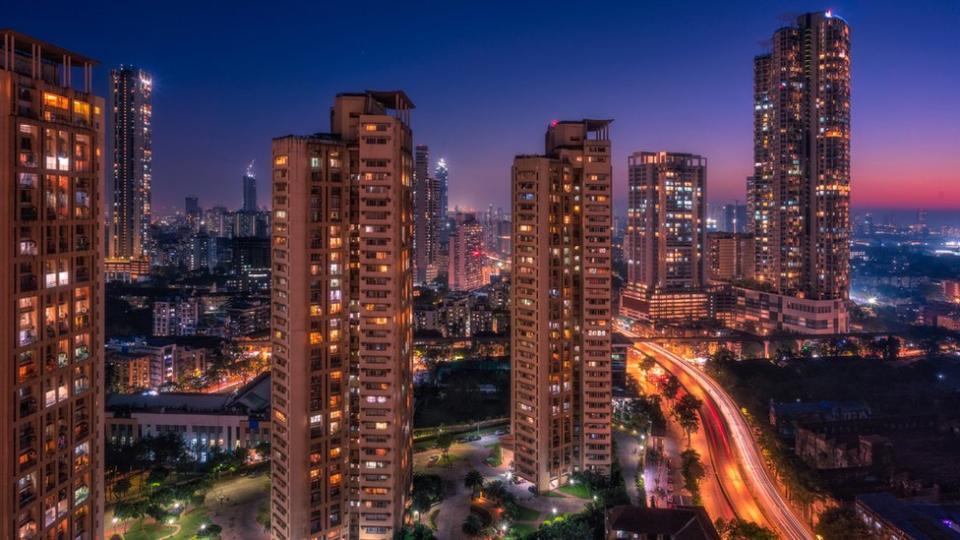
[577, 490]
[148, 531]
[527, 514]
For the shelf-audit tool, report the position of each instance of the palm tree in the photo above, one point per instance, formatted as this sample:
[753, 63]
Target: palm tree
[421, 503]
[496, 491]
[687, 413]
[474, 481]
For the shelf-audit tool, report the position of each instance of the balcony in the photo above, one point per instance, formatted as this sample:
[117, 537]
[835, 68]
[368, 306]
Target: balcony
[26, 460]
[26, 497]
[26, 372]
[28, 406]
[27, 440]
[28, 213]
[28, 283]
[28, 247]
[27, 336]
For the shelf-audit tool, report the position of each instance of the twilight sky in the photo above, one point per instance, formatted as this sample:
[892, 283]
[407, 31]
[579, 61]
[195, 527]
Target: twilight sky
[487, 77]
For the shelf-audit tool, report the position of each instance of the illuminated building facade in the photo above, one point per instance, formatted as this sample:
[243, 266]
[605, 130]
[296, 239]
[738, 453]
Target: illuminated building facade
[442, 175]
[342, 323]
[249, 189]
[800, 190]
[51, 146]
[561, 305]
[798, 198]
[426, 204]
[465, 249]
[731, 256]
[665, 239]
[132, 162]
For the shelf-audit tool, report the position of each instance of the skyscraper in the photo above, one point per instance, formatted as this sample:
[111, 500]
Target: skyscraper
[193, 212]
[52, 137]
[426, 204]
[249, 189]
[734, 217]
[342, 326]
[132, 163]
[442, 175]
[465, 259]
[665, 240]
[561, 305]
[800, 190]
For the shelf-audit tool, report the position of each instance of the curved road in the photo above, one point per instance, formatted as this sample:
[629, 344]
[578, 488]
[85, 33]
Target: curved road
[739, 465]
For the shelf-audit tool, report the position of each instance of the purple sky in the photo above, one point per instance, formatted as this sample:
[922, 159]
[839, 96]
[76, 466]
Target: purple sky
[487, 77]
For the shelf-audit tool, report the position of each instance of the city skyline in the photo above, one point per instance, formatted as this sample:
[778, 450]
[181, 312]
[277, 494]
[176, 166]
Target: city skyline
[891, 121]
[640, 345]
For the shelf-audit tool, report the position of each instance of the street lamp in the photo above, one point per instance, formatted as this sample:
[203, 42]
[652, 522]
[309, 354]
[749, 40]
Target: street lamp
[554, 510]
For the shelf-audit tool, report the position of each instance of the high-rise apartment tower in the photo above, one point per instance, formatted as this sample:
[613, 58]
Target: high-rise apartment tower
[342, 323]
[51, 148]
[465, 254]
[561, 305]
[666, 237]
[249, 189]
[799, 194]
[426, 205]
[132, 163]
[442, 174]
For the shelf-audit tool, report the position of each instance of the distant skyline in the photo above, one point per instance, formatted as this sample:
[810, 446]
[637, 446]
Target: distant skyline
[485, 79]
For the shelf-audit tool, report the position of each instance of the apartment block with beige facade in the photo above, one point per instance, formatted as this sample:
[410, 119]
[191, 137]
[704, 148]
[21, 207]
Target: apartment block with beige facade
[342, 323]
[561, 305]
[51, 148]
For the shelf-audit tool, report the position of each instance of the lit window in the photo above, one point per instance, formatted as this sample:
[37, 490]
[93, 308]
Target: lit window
[54, 100]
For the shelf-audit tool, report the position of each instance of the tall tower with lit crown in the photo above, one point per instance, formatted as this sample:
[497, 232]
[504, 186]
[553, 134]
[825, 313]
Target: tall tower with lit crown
[132, 108]
[800, 190]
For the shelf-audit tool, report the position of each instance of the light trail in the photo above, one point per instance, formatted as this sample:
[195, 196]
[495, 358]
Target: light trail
[733, 427]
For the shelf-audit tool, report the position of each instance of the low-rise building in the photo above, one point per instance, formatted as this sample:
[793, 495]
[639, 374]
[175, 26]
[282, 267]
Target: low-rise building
[891, 519]
[784, 416]
[763, 312]
[245, 316]
[641, 523]
[176, 316]
[204, 421]
[149, 364]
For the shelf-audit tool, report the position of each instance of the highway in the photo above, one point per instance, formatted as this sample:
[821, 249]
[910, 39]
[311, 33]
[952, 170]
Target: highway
[739, 466]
